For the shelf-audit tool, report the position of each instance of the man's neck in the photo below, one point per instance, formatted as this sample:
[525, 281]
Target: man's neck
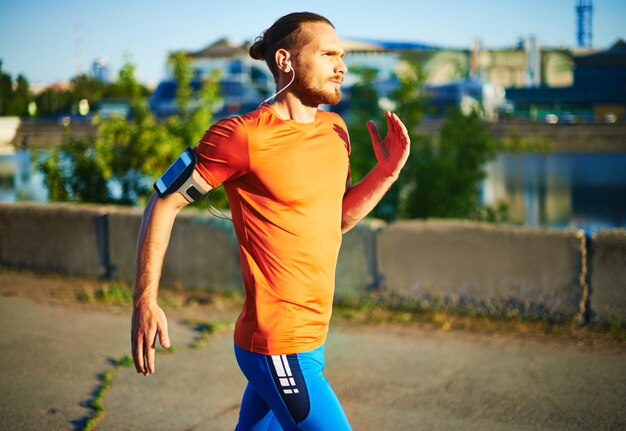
[290, 107]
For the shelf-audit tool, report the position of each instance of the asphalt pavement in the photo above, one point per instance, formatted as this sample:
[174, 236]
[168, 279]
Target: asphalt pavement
[388, 377]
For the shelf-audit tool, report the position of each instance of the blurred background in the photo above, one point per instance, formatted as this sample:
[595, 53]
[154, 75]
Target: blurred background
[517, 110]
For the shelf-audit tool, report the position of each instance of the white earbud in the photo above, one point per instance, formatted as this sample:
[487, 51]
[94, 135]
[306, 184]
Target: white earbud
[293, 76]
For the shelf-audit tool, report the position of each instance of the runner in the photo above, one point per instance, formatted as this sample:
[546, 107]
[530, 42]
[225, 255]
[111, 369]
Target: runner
[285, 169]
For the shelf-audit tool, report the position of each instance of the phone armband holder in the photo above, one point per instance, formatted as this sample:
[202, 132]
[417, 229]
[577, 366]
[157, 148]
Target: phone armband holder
[179, 178]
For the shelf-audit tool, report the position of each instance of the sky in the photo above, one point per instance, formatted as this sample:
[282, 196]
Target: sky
[51, 40]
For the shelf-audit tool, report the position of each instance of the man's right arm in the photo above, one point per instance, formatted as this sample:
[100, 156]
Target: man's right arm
[148, 318]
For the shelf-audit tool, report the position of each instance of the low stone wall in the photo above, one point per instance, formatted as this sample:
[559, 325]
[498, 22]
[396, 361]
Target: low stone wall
[485, 268]
[202, 252]
[442, 264]
[63, 238]
[608, 276]
[357, 266]
[100, 241]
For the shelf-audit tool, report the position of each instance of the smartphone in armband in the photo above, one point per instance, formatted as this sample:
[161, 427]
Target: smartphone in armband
[179, 178]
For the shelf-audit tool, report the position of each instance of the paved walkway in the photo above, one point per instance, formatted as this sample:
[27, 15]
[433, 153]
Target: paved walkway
[388, 377]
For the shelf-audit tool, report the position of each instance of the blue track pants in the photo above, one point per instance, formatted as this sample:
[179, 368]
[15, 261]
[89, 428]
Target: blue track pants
[288, 392]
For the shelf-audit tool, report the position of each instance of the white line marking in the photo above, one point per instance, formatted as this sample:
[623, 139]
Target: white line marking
[287, 368]
[278, 365]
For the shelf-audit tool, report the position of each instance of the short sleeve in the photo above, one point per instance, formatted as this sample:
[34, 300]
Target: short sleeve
[223, 151]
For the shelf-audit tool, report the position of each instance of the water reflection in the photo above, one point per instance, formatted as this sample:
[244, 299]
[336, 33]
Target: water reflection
[586, 190]
[19, 179]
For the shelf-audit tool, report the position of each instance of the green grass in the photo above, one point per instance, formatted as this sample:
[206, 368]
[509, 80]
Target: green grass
[204, 330]
[113, 294]
[376, 310]
[106, 379]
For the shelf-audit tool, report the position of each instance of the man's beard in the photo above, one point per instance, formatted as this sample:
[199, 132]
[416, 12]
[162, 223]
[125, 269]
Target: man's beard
[311, 96]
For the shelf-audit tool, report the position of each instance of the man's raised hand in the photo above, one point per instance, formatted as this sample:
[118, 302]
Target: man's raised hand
[393, 151]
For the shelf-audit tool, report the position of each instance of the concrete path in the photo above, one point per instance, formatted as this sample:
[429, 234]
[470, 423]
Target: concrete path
[388, 377]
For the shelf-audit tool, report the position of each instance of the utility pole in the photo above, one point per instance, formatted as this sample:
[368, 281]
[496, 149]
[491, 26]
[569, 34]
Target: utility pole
[584, 11]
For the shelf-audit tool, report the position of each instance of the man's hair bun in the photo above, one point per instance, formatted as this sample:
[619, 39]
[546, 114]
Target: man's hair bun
[258, 48]
[286, 33]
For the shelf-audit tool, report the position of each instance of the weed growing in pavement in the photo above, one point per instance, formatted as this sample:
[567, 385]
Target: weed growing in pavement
[106, 379]
[203, 330]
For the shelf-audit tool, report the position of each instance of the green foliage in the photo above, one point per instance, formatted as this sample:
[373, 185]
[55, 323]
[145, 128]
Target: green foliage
[363, 107]
[54, 176]
[410, 106]
[14, 97]
[127, 154]
[443, 175]
[409, 103]
[409, 99]
[444, 171]
[53, 102]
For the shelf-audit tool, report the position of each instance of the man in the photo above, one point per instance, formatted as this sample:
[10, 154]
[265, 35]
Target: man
[285, 170]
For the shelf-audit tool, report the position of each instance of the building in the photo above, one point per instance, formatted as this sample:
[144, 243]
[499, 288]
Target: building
[453, 77]
[244, 82]
[597, 93]
[101, 69]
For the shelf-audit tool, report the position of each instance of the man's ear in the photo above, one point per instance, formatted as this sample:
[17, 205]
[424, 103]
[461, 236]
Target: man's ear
[282, 58]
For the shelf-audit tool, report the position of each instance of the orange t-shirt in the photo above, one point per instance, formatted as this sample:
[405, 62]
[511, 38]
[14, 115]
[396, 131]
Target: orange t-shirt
[285, 183]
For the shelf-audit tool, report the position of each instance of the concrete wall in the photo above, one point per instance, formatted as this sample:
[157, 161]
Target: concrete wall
[484, 268]
[357, 266]
[608, 276]
[64, 238]
[454, 265]
[202, 251]
[101, 241]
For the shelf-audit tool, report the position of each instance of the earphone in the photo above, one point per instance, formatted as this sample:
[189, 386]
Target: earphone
[293, 76]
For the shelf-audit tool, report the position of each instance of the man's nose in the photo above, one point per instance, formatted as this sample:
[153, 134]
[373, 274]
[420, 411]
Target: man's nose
[342, 68]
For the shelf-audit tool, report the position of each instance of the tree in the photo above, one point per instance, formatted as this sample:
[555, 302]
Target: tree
[6, 91]
[21, 97]
[51, 102]
[364, 106]
[14, 97]
[444, 174]
[119, 163]
[410, 104]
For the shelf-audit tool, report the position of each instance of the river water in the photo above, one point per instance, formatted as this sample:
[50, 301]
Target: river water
[584, 190]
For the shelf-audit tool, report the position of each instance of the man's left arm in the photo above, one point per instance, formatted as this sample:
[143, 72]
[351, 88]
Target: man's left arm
[391, 154]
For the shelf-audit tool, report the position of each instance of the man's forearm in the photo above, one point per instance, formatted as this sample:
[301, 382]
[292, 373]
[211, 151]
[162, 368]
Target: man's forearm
[154, 236]
[361, 198]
